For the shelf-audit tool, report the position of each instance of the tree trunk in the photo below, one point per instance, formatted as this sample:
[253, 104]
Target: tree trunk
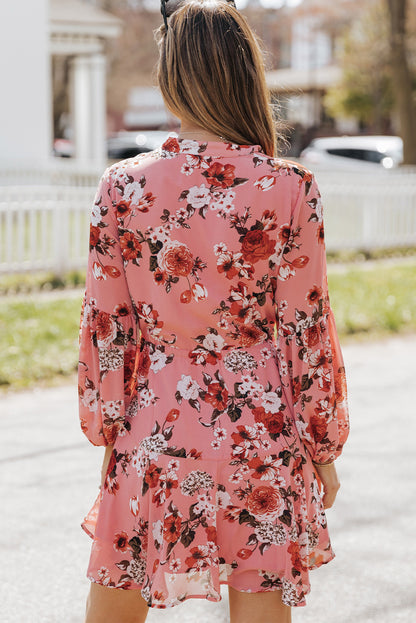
[402, 80]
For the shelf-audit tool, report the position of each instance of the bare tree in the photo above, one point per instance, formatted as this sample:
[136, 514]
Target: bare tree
[402, 78]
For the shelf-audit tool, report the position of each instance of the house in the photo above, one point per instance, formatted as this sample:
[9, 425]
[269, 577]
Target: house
[33, 33]
[314, 37]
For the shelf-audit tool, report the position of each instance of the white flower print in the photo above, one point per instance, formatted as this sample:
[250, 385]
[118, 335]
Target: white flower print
[157, 532]
[147, 398]
[223, 499]
[188, 388]
[175, 564]
[223, 202]
[239, 360]
[137, 570]
[198, 196]
[153, 446]
[89, 400]
[220, 433]
[249, 386]
[187, 169]
[111, 408]
[267, 532]
[204, 504]
[133, 191]
[271, 402]
[95, 215]
[158, 359]
[213, 342]
[195, 480]
[285, 271]
[134, 505]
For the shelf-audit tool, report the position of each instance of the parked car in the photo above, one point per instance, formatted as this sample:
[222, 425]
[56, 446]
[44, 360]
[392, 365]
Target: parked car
[128, 144]
[355, 152]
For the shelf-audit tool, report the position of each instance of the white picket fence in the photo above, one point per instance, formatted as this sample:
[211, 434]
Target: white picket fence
[44, 219]
[363, 211]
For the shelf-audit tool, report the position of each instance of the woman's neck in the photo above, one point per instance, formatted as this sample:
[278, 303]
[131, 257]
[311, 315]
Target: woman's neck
[189, 131]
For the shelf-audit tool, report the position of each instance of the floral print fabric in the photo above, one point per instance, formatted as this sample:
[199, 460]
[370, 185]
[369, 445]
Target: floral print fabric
[209, 358]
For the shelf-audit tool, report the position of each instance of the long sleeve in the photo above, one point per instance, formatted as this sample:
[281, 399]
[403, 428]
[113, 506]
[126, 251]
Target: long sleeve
[108, 329]
[308, 350]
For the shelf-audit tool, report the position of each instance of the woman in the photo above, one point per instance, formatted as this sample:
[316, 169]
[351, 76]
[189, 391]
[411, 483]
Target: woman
[209, 362]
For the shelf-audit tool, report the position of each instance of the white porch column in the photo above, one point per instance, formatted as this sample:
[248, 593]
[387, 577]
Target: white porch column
[89, 108]
[99, 109]
[81, 107]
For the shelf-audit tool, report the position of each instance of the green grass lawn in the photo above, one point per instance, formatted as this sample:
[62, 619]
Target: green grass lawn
[39, 340]
[374, 302]
[39, 336]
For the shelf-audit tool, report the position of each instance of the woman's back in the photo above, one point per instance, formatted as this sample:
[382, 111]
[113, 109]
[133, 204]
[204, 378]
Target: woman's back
[202, 227]
[207, 312]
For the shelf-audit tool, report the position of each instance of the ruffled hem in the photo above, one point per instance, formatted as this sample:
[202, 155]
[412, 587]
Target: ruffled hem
[213, 592]
[144, 571]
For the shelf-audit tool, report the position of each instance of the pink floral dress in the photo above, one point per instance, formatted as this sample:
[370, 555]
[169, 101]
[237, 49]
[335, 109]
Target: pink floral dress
[209, 358]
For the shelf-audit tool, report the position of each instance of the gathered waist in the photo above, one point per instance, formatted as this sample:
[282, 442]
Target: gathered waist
[209, 350]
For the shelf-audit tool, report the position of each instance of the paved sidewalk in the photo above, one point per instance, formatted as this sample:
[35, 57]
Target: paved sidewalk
[50, 475]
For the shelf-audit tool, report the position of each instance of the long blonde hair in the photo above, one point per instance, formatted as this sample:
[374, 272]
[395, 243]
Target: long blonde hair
[211, 73]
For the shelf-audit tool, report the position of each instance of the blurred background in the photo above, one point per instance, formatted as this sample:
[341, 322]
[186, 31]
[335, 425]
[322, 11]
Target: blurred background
[77, 94]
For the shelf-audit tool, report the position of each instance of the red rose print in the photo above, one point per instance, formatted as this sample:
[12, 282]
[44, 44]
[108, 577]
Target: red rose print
[314, 295]
[284, 233]
[144, 362]
[94, 236]
[319, 427]
[340, 385]
[274, 422]
[172, 528]
[220, 175]
[196, 554]
[171, 145]
[129, 364]
[122, 309]
[217, 396]
[106, 329]
[123, 209]
[297, 562]
[311, 336]
[121, 541]
[152, 475]
[176, 259]
[265, 501]
[159, 276]
[250, 335]
[211, 533]
[130, 246]
[257, 246]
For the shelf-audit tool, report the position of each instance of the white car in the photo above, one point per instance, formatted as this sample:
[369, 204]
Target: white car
[354, 152]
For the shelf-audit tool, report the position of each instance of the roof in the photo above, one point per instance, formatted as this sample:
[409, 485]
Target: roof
[74, 17]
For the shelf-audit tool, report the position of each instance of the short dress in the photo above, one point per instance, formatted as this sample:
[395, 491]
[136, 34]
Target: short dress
[209, 358]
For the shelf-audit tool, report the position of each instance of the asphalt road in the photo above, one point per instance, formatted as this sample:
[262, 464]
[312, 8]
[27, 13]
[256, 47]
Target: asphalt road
[49, 476]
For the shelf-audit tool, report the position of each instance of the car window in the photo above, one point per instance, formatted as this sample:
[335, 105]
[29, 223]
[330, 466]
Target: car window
[371, 155]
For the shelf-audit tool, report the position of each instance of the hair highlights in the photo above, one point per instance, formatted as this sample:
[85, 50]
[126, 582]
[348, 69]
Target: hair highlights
[211, 73]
